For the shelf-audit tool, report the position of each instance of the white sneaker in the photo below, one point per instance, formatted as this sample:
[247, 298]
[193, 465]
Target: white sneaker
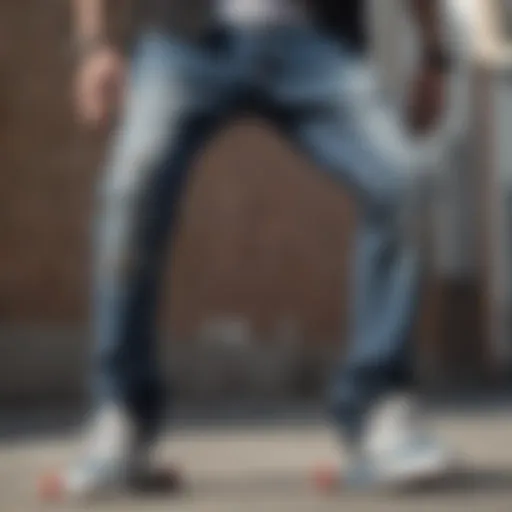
[113, 456]
[397, 447]
[396, 452]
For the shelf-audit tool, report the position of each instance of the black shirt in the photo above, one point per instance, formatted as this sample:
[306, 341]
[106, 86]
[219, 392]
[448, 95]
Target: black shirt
[344, 19]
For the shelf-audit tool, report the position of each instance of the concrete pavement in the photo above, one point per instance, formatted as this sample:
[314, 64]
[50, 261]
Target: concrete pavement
[254, 465]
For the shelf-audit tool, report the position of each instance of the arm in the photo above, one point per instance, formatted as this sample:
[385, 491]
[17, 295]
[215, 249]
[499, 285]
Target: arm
[490, 46]
[427, 14]
[426, 100]
[100, 66]
[89, 21]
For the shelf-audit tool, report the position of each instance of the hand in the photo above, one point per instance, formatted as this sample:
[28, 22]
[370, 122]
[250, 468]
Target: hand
[99, 84]
[427, 98]
[496, 58]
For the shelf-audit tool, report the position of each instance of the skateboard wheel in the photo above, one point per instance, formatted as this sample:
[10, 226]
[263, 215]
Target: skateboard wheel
[326, 478]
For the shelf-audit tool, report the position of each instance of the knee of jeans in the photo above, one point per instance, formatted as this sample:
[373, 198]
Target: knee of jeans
[119, 265]
[127, 200]
[116, 249]
[122, 183]
[392, 199]
[133, 163]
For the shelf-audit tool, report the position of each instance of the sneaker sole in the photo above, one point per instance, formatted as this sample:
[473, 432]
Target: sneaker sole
[417, 472]
[51, 487]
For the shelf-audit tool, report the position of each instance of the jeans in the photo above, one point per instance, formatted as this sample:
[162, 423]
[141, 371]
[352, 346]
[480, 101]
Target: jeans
[326, 100]
[500, 219]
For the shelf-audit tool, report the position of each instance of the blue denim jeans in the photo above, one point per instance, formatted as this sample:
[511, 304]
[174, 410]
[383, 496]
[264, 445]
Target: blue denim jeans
[327, 102]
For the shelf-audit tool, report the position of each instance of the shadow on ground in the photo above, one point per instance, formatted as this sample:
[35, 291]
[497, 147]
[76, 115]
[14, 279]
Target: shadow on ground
[283, 484]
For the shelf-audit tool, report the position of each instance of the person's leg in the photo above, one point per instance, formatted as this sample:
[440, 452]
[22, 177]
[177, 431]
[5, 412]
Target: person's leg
[176, 95]
[336, 114]
[500, 219]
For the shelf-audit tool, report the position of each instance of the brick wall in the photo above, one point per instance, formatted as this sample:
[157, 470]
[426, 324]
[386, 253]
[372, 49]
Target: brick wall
[261, 234]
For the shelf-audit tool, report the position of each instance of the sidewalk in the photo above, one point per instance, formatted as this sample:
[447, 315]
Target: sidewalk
[244, 466]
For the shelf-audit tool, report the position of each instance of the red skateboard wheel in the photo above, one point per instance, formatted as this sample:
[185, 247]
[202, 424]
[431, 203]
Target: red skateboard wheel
[327, 478]
[50, 487]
